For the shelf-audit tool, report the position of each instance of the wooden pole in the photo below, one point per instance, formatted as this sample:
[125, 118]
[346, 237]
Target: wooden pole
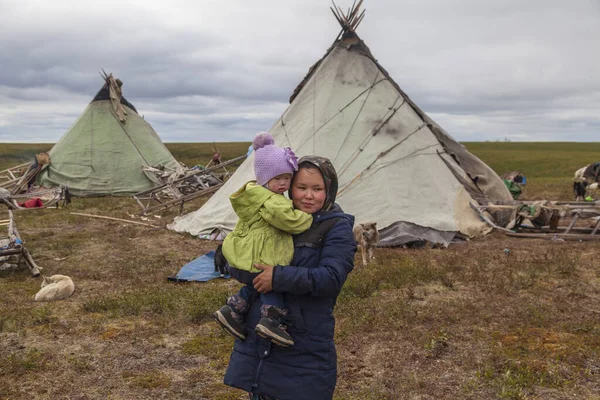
[573, 222]
[16, 167]
[564, 236]
[596, 227]
[115, 219]
[33, 267]
[183, 199]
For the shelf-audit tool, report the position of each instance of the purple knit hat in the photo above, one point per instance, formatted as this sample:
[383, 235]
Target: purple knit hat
[270, 160]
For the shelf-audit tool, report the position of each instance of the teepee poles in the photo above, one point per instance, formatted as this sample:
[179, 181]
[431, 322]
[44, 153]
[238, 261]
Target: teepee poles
[351, 19]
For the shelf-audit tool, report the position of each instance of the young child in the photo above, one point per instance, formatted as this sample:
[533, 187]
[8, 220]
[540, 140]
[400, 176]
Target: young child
[263, 235]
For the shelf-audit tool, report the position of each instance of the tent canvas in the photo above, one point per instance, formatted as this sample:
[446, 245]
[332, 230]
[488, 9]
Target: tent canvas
[104, 151]
[396, 166]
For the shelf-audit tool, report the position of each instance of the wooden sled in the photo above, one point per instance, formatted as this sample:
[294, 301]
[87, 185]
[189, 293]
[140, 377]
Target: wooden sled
[48, 197]
[575, 211]
[11, 243]
[17, 186]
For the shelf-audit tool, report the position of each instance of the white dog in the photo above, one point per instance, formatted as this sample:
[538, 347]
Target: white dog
[367, 237]
[55, 287]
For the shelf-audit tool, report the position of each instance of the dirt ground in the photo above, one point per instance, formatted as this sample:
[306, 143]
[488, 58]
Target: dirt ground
[496, 317]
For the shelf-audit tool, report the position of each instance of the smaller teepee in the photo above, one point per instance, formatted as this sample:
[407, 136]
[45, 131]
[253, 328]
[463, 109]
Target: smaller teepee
[104, 151]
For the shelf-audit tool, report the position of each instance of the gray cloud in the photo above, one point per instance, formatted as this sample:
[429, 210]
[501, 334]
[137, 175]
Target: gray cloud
[203, 71]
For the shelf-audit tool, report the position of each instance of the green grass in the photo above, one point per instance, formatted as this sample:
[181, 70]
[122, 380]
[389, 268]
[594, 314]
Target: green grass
[148, 380]
[195, 304]
[548, 167]
[201, 153]
[12, 154]
[536, 160]
[467, 322]
[20, 363]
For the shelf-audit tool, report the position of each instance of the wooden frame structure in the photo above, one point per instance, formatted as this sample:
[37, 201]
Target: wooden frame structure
[11, 244]
[49, 198]
[16, 182]
[184, 189]
[10, 177]
[572, 210]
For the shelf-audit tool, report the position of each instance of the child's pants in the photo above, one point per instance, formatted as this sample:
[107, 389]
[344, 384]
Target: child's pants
[247, 295]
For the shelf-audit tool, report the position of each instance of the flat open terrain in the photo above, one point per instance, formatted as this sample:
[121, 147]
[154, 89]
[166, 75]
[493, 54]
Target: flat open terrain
[468, 322]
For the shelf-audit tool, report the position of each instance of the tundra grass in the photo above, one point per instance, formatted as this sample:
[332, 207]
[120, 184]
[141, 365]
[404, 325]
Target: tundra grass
[191, 154]
[469, 322]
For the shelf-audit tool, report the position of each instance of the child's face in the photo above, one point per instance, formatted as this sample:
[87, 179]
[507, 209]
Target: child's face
[280, 183]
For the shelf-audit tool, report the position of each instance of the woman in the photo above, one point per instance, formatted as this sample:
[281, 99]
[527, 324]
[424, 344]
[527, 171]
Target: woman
[323, 257]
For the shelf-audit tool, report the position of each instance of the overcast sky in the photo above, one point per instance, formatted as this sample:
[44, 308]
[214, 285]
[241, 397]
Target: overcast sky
[222, 70]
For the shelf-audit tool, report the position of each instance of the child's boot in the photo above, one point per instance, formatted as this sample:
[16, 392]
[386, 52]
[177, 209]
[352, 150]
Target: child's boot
[271, 327]
[231, 321]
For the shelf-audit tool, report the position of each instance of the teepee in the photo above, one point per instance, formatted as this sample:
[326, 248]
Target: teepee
[104, 151]
[396, 166]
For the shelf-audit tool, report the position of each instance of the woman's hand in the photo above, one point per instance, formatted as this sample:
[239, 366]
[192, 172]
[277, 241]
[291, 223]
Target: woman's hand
[263, 283]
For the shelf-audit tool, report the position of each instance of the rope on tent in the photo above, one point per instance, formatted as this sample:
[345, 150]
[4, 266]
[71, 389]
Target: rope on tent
[285, 132]
[414, 153]
[363, 174]
[360, 149]
[356, 118]
[363, 144]
[346, 186]
[123, 128]
[342, 109]
[392, 111]
[366, 174]
[383, 153]
[314, 109]
[132, 141]
[390, 149]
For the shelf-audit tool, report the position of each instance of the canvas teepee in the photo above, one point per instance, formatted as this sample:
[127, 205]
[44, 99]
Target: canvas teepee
[104, 151]
[396, 166]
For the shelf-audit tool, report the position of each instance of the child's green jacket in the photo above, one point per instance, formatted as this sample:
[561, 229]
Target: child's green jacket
[263, 233]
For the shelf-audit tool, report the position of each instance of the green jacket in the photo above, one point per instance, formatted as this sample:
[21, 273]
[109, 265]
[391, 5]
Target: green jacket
[263, 233]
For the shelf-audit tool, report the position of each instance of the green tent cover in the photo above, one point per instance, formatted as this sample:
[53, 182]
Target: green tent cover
[101, 155]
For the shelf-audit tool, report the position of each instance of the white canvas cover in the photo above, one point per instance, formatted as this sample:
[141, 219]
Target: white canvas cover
[395, 165]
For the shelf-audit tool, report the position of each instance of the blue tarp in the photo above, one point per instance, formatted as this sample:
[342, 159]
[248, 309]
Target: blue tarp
[202, 269]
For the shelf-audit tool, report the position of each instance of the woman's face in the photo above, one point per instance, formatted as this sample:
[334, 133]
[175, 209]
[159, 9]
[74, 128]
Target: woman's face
[308, 190]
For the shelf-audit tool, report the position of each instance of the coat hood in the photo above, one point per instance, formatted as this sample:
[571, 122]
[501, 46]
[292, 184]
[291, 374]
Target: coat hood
[329, 176]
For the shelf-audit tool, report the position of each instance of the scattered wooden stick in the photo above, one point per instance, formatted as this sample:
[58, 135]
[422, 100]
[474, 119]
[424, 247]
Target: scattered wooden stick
[564, 236]
[115, 219]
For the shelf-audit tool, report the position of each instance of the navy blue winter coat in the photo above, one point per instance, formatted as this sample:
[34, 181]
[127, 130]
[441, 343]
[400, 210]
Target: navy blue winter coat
[311, 284]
